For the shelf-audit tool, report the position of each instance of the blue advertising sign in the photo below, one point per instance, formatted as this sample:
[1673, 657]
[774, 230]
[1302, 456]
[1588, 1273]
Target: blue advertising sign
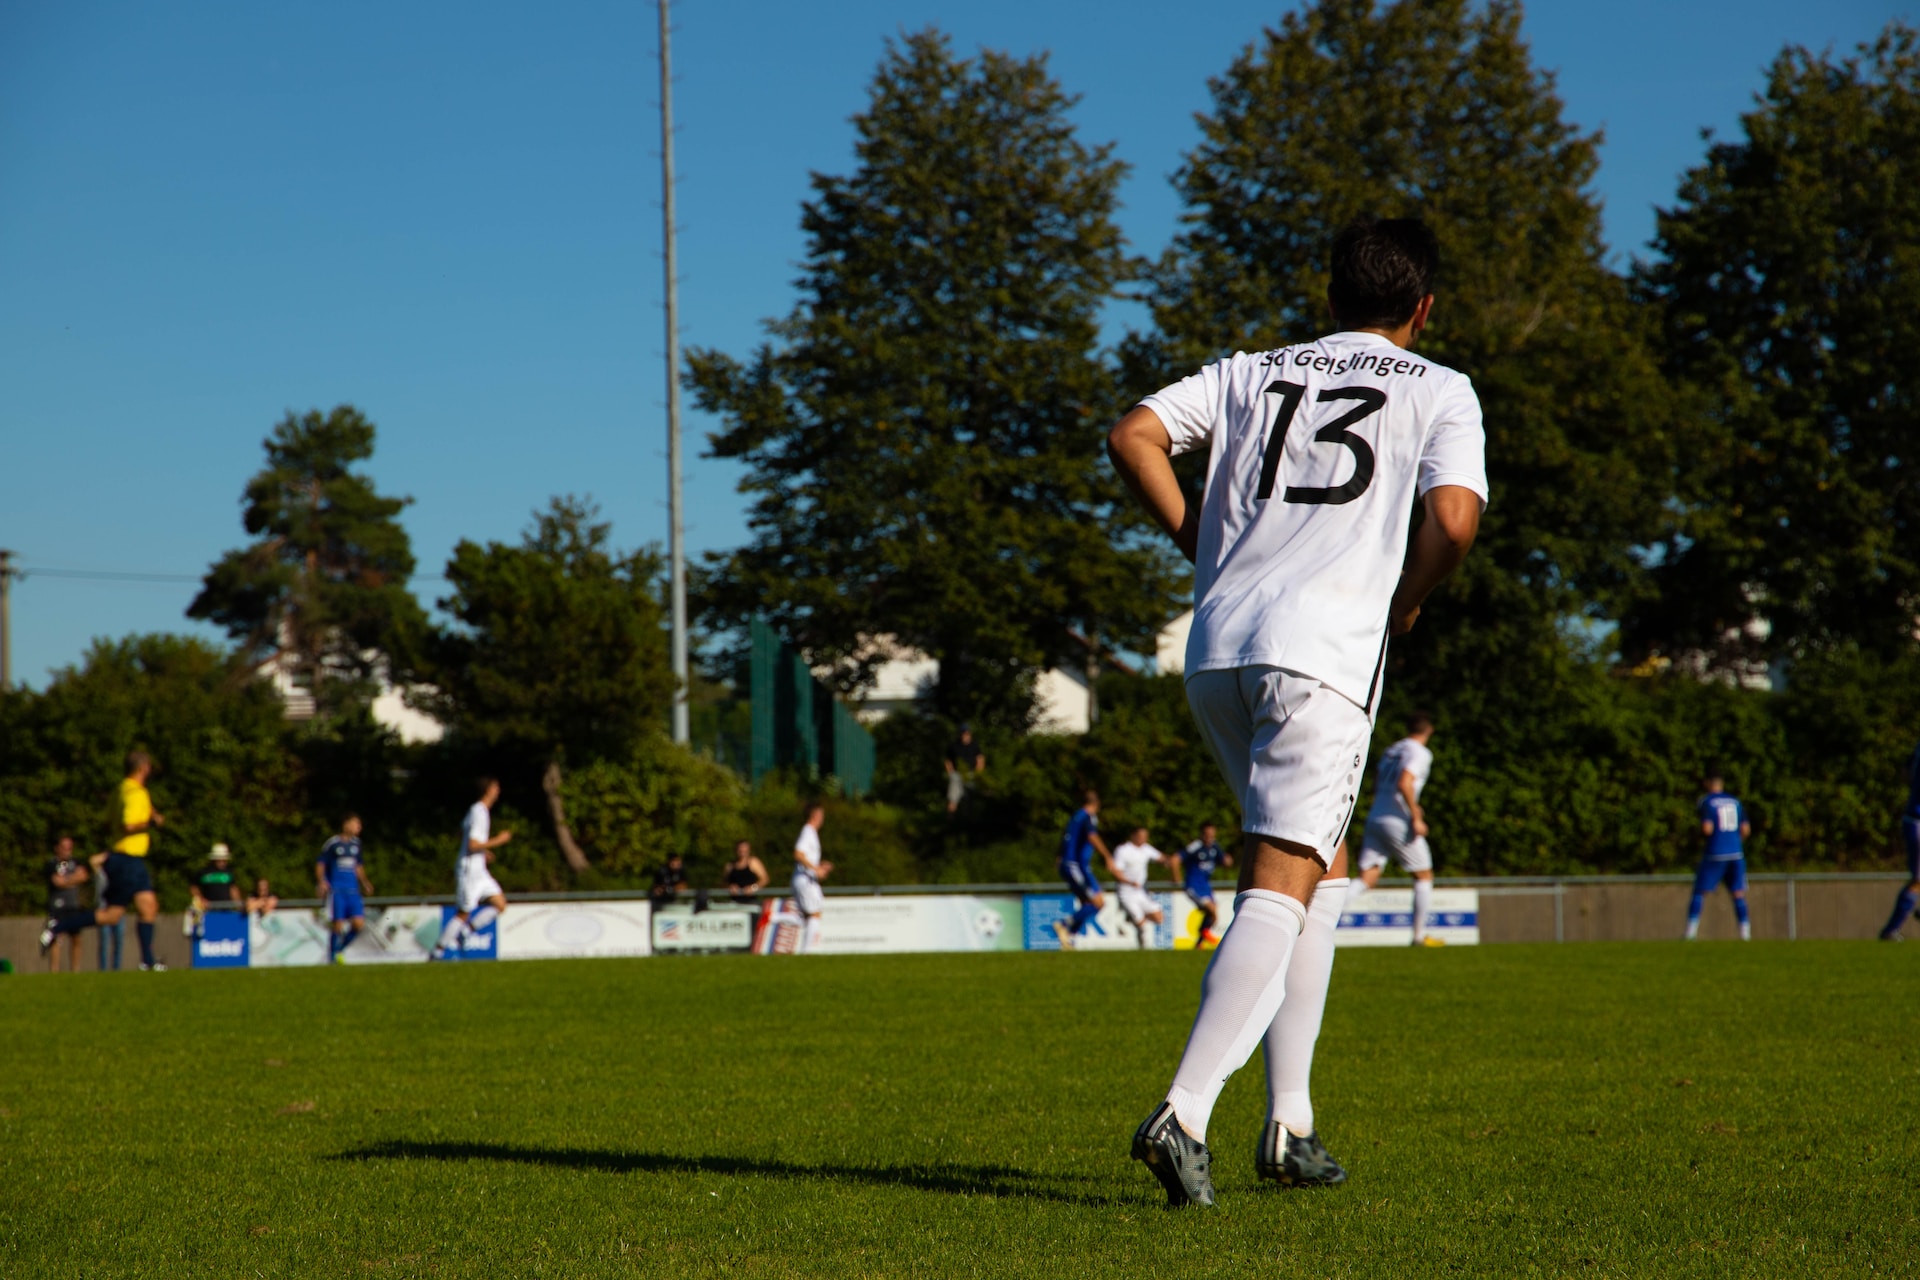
[479, 944]
[222, 941]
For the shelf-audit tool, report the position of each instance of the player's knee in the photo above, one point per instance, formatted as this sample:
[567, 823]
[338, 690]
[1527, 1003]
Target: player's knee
[1738, 893]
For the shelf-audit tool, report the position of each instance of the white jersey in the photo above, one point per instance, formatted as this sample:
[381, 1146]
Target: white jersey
[1404, 756]
[1317, 454]
[1130, 862]
[806, 853]
[475, 830]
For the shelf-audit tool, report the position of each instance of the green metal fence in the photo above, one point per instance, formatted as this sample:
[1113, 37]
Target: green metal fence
[797, 722]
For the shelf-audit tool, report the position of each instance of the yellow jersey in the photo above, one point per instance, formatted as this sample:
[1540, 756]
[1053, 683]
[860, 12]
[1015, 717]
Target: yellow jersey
[136, 810]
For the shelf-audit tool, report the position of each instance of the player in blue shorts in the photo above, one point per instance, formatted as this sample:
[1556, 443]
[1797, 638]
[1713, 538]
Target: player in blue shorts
[1723, 820]
[344, 884]
[1194, 869]
[1076, 868]
[1910, 842]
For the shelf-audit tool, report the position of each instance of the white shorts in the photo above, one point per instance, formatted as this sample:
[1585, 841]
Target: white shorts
[807, 895]
[1392, 837]
[1290, 747]
[1137, 903]
[476, 883]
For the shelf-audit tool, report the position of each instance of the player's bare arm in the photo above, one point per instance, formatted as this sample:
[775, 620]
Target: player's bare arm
[1142, 452]
[1407, 793]
[1438, 546]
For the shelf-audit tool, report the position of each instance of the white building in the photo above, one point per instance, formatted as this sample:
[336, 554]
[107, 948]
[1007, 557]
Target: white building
[1062, 702]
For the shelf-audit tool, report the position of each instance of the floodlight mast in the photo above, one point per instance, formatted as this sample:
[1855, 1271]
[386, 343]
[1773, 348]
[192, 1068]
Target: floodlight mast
[676, 539]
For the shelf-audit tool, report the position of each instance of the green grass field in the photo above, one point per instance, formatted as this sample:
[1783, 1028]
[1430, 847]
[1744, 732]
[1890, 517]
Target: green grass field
[1642, 1109]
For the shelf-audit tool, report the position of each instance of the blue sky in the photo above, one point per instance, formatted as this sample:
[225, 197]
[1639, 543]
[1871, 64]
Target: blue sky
[447, 214]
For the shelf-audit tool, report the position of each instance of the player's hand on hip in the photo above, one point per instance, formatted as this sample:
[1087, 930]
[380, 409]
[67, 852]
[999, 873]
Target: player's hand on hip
[1420, 827]
[1402, 620]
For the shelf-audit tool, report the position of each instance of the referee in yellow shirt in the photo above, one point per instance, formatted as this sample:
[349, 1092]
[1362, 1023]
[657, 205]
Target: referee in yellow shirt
[129, 879]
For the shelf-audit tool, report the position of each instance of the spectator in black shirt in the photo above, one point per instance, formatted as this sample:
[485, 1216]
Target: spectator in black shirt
[65, 875]
[964, 758]
[216, 888]
[667, 882]
[746, 876]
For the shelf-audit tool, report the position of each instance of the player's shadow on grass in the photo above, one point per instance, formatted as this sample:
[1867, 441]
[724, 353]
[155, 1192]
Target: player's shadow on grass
[949, 1179]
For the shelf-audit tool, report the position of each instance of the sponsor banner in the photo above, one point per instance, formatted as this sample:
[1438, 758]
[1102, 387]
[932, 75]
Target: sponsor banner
[1384, 918]
[396, 935]
[1185, 917]
[478, 944]
[1110, 930]
[779, 930]
[722, 928]
[286, 938]
[552, 930]
[935, 922]
[221, 942]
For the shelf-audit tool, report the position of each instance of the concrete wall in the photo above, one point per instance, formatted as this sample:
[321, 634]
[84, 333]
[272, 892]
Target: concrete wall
[1639, 910]
[19, 942]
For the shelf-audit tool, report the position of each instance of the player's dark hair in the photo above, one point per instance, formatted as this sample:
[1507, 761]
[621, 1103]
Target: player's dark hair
[1089, 796]
[136, 760]
[815, 806]
[1205, 825]
[351, 816]
[485, 783]
[1714, 773]
[1381, 270]
[1419, 721]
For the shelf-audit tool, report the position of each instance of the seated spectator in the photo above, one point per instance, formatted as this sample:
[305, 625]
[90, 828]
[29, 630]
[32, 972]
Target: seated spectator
[216, 888]
[746, 876]
[263, 900]
[667, 882]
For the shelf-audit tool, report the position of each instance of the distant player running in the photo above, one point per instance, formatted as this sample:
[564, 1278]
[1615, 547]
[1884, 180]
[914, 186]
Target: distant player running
[1194, 868]
[480, 897]
[1723, 820]
[1910, 842]
[1077, 848]
[342, 876]
[809, 869]
[1397, 826]
[1130, 863]
[1302, 568]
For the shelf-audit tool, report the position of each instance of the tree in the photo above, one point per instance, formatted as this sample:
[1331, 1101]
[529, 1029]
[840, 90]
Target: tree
[923, 436]
[226, 768]
[1433, 108]
[559, 656]
[1788, 277]
[324, 584]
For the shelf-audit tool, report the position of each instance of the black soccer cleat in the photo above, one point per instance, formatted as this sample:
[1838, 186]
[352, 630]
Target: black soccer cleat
[1293, 1161]
[1181, 1161]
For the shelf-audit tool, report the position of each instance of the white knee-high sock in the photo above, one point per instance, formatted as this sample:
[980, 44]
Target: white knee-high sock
[483, 917]
[810, 935]
[1422, 904]
[1238, 999]
[452, 936]
[1290, 1040]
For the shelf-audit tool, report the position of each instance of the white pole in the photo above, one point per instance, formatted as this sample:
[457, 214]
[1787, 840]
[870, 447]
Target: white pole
[676, 540]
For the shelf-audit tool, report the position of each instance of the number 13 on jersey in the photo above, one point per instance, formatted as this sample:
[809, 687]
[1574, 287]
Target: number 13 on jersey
[1370, 400]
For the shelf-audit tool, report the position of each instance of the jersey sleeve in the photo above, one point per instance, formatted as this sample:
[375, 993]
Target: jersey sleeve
[480, 828]
[1190, 408]
[1456, 452]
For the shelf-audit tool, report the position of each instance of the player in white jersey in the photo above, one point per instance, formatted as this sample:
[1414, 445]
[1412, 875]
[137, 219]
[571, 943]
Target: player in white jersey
[809, 869]
[1302, 568]
[1129, 864]
[1397, 826]
[480, 900]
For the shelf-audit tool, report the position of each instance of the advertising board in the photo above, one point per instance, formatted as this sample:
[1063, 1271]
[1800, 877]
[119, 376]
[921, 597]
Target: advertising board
[1110, 930]
[935, 922]
[1384, 918]
[553, 930]
[286, 939]
[222, 941]
[681, 929]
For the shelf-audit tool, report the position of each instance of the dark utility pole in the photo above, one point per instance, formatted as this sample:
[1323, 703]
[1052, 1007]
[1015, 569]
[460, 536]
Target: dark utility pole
[7, 575]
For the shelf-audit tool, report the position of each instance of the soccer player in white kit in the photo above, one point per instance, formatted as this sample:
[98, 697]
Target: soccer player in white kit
[1303, 566]
[808, 871]
[480, 899]
[1397, 826]
[1129, 864]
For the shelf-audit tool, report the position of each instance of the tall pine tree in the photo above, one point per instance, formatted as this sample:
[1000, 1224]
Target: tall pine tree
[1433, 108]
[323, 586]
[923, 434]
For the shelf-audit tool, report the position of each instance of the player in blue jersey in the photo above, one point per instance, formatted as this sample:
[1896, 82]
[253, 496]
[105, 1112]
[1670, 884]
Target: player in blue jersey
[1077, 847]
[1194, 868]
[1910, 843]
[344, 885]
[1723, 820]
